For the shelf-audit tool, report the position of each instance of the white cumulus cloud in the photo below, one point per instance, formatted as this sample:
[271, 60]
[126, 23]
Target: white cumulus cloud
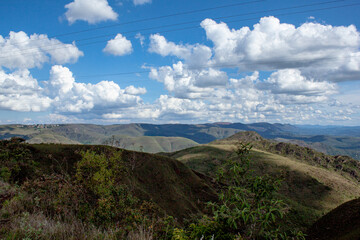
[135, 91]
[19, 91]
[194, 55]
[91, 11]
[291, 82]
[272, 45]
[62, 94]
[119, 46]
[190, 83]
[19, 50]
[72, 97]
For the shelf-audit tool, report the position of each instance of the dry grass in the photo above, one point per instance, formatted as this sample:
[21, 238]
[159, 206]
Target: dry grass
[20, 218]
[142, 233]
[341, 188]
[188, 157]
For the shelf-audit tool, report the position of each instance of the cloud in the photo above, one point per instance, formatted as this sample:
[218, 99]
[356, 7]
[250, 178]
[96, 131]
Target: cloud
[119, 46]
[132, 114]
[291, 82]
[194, 55]
[73, 97]
[19, 50]
[141, 2]
[272, 45]
[173, 108]
[91, 11]
[62, 95]
[135, 91]
[189, 83]
[305, 63]
[141, 38]
[19, 91]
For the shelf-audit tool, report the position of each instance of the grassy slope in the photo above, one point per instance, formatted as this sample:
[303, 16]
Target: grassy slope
[128, 136]
[329, 144]
[150, 144]
[342, 223]
[310, 189]
[175, 188]
[7, 131]
[48, 137]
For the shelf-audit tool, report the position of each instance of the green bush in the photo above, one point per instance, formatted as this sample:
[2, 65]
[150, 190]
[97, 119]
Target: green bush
[16, 161]
[247, 206]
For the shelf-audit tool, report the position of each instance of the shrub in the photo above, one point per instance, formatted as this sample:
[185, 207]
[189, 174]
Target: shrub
[16, 161]
[247, 206]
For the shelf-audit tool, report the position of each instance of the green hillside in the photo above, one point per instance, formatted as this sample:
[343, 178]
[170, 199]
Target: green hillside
[47, 188]
[150, 144]
[313, 182]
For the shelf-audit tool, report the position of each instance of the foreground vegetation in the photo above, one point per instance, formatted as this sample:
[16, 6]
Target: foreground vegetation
[313, 183]
[94, 198]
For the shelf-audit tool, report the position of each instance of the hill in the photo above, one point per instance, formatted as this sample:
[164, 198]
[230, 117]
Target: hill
[129, 136]
[71, 191]
[150, 144]
[77, 184]
[313, 184]
[342, 223]
[169, 183]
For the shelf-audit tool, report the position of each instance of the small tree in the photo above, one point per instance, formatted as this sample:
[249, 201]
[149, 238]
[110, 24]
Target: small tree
[247, 206]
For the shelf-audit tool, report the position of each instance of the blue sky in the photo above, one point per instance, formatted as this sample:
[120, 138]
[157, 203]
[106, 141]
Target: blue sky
[157, 61]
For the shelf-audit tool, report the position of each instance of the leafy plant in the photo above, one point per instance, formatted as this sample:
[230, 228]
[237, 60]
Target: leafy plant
[247, 206]
[16, 161]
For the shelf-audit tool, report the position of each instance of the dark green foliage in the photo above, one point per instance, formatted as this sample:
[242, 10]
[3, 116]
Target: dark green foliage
[16, 161]
[96, 196]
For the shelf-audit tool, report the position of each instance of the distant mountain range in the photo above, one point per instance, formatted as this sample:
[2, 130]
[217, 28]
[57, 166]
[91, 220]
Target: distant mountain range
[334, 140]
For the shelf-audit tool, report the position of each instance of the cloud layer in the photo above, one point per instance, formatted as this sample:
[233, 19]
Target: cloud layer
[273, 72]
[304, 62]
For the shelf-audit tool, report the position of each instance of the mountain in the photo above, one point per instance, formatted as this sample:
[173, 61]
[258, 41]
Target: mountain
[331, 140]
[350, 131]
[129, 136]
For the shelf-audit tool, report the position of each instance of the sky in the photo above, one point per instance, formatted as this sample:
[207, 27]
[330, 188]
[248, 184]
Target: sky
[171, 61]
